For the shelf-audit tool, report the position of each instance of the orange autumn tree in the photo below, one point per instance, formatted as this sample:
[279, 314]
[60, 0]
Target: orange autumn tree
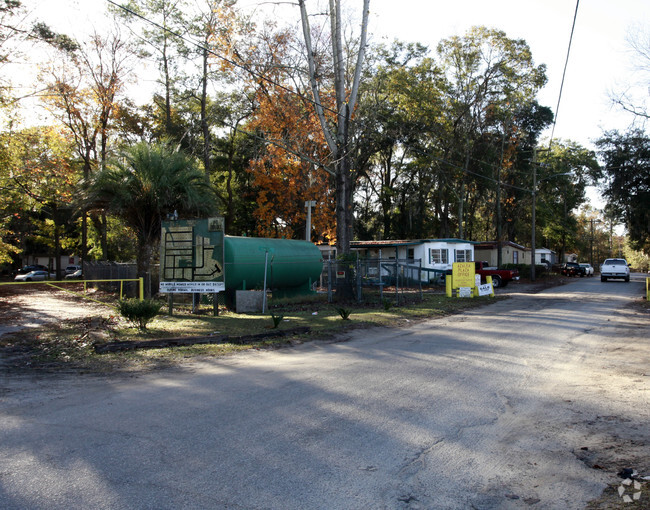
[288, 172]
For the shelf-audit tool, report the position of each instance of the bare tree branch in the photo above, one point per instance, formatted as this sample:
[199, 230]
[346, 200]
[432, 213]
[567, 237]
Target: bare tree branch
[312, 80]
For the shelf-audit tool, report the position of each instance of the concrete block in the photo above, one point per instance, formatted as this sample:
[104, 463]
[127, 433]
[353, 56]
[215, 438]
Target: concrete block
[248, 301]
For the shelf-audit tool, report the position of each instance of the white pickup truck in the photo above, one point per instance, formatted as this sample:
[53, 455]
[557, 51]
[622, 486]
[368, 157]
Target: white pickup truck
[615, 268]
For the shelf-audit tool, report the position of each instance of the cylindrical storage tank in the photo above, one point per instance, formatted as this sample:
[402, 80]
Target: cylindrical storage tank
[290, 263]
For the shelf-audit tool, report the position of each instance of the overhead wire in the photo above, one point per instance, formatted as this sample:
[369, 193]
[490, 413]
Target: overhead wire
[566, 63]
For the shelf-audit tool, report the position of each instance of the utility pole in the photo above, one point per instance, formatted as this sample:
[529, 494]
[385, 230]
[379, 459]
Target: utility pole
[593, 220]
[506, 128]
[532, 232]
[591, 247]
[308, 205]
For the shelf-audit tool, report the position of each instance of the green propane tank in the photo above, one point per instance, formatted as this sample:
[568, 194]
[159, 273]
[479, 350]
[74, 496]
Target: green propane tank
[291, 265]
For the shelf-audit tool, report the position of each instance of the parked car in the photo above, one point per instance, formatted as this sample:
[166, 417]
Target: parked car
[30, 268]
[32, 276]
[73, 276]
[615, 268]
[72, 269]
[572, 269]
[589, 270]
[500, 277]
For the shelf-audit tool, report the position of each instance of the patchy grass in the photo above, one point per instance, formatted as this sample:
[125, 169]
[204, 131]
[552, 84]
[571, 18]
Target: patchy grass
[71, 344]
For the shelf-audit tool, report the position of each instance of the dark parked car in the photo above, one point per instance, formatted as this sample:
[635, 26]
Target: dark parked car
[30, 268]
[572, 269]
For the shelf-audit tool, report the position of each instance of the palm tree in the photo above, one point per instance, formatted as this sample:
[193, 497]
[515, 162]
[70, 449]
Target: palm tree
[149, 182]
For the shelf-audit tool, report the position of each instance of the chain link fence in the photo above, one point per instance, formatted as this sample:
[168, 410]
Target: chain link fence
[103, 270]
[377, 280]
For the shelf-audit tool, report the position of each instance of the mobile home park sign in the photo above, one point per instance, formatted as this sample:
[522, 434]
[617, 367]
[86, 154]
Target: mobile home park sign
[191, 287]
[191, 256]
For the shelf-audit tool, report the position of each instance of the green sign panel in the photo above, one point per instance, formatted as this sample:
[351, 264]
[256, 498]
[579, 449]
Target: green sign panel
[192, 251]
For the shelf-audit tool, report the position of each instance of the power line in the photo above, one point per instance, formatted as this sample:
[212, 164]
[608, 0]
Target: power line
[566, 62]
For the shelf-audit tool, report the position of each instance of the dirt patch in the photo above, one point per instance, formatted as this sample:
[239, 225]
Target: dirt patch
[30, 306]
[26, 308]
[620, 374]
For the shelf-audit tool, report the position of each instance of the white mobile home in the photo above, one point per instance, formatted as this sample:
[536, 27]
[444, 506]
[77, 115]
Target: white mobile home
[50, 262]
[511, 253]
[543, 256]
[434, 255]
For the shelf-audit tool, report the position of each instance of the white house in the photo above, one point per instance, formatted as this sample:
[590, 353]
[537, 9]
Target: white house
[47, 261]
[543, 256]
[435, 255]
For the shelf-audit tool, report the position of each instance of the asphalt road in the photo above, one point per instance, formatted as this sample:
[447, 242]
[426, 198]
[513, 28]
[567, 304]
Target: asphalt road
[532, 402]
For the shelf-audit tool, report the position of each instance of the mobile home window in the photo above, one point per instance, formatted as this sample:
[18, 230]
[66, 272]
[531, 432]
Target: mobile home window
[438, 256]
[463, 255]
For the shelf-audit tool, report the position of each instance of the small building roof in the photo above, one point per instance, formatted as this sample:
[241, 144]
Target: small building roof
[493, 244]
[397, 243]
[547, 250]
[381, 244]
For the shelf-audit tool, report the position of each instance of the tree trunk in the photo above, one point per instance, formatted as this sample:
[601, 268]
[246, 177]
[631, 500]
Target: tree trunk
[205, 128]
[144, 252]
[338, 138]
[342, 208]
[84, 213]
[57, 243]
[385, 197]
[84, 237]
[104, 227]
[461, 212]
[461, 197]
[167, 85]
[230, 205]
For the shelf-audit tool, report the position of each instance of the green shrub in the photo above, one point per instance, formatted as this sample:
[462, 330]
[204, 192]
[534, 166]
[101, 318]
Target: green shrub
[345, 314]
[524, 269]
[277, 319]
[140, 313]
